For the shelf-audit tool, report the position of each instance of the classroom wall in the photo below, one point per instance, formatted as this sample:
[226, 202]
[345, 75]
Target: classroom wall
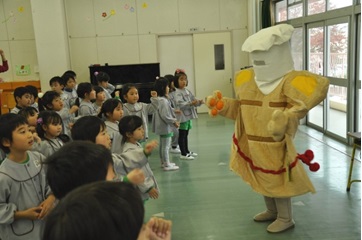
[108, 31]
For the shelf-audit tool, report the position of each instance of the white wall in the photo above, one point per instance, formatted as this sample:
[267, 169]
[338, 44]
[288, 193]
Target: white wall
[127, 35]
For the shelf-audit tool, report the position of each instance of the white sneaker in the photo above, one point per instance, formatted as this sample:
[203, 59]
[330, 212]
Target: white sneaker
[193, 154]
[175, 150]
[187, 157]
[170, 168]
[165, 164]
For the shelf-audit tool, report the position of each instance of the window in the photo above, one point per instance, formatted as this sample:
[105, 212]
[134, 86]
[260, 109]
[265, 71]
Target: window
[316, 6]
[337, 50]
[281, 11]
[295, 11]
[334, 4]
[296, 45]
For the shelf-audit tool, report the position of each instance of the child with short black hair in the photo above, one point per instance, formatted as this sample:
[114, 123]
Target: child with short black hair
[69, 171]
[163, 122]
[103, 81]
[112, 112]
[70, 87]
[171, 97]
[31, 115]
[56, 83]
[131, 129]
[25, 197]
[33, 96]
[86, 92]
[49, 129]
[140, 109]
[51, 100]
[22, 96]
[93, 129]
[100, 97]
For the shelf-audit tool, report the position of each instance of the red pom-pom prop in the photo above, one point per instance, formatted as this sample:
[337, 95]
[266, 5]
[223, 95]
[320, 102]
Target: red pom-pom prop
[306, 158]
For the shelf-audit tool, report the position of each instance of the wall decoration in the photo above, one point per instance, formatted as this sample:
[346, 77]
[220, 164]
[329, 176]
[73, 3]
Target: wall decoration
[12, 15]
[22, 70]
[106, 16]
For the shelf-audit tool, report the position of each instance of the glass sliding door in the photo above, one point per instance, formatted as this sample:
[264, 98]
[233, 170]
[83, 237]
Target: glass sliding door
[328, 56]
[337, 71]
[315, 63]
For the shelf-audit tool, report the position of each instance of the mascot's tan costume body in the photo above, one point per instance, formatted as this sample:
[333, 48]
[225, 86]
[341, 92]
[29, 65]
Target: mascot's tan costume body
[271, 98]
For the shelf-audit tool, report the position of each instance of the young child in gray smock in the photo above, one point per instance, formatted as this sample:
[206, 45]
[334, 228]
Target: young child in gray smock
[163, 123]
[49, 129]
[150, 183]
[132, 131]
[187, 103]
[112, 112]
[87, 94]
[140, 109]
[25, 197]
[102, 79]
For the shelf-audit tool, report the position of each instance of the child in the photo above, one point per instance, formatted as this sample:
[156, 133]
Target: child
[119, 211]
[131, 129]
[51, 101]
[70, 87]
[73, 167]
[33, 96]
[171, 97]
[103, 82]
[112, 111]
[25, 197]
[49, 129]
[31, 116]
[100, 97]
[86, 92]
[93, 129]
[163, 121]
[133, 107]
[187, 103]
[56, 84]
[22, 96]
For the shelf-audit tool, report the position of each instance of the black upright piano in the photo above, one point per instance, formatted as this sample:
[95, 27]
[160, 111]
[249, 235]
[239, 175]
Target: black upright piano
[142, 75]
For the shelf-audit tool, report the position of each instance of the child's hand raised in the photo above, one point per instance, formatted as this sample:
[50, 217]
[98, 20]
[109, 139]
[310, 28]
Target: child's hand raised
[136, 176]
[153, 94]
[73, 109]
[153, 193]
[150, 146]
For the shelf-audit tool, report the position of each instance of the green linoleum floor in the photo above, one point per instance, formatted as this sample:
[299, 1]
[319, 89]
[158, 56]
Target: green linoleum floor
[205, 200]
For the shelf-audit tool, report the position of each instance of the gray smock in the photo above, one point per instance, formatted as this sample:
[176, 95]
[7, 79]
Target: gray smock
[22, 186]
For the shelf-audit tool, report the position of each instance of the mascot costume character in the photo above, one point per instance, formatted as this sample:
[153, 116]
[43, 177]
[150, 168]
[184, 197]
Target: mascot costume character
[271, 98]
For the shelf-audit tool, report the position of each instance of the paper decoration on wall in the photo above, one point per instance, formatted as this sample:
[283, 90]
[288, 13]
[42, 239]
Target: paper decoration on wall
[106, 16]
[22, 70]
[128, 7]
[144, 5]
[12, 15]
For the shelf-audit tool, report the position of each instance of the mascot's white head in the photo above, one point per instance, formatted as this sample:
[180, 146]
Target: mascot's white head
[270, 54]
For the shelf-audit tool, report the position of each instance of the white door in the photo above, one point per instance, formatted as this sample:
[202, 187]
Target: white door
[213, 66]
[174, 52]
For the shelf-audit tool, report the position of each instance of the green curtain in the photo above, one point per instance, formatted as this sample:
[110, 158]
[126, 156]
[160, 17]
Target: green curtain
[266, 15]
